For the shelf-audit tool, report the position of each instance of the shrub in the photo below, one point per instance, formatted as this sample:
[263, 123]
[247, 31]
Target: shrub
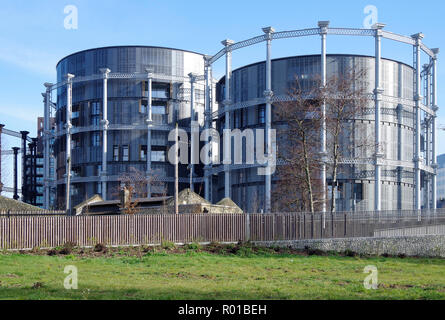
[167, 245]
[100, 247]
[192, 246]
[67, 247]
[314, 252]
[350, 253]
[244, 251]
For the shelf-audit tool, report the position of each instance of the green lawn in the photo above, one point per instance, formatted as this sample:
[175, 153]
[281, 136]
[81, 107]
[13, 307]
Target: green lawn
[195, 274]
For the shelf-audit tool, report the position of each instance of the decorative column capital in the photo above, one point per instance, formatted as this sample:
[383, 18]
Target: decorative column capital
[378, 27]
[418, 37]
[68, 126]
[192, 77]
[149, 72]
[418, 160]
[323, 25]
[207, 59]
[268, 31]
[69, 77]
[379, 158]
[268, 94]
[105, 72]
[378, 94]
[105, 123]
[418, 97]
[48, 86]
[228, 43]
[436, 52]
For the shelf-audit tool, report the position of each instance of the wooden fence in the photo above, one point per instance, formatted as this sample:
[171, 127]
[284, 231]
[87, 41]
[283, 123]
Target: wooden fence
[51, 231]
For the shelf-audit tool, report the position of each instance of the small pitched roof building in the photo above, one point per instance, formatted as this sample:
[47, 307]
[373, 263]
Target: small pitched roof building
[189, 202]
[7, 204]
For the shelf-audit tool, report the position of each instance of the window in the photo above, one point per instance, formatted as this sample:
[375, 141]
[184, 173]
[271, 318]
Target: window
[358, 191]
[158, 156]
[115, 153]
[125, 153]
[95, 113]
[95, 139]
[243, 117]
[236, 119]
[95, 108]
[95, 120]
[158, 109]
[160, 92]
[261, 114]
[142, 106]
[142, 153]
[98, 188]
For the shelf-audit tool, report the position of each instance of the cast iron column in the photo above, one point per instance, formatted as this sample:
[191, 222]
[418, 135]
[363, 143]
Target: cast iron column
[378, 91]
[227, 103]
[16, 194]
[149, 123]
[268, 93]
[417, 98]
[68, 126]
[105, 123]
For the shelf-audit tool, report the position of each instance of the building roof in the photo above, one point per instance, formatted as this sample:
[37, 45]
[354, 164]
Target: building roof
[14, 205]
[126, 46]
[187, 196]
[227, 202]
[315, 55]
[139, 201]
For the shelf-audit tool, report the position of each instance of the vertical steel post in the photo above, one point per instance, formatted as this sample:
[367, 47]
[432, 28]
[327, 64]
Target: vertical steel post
[378, 91]
[207, 121]
[68, 126]
[16, 194]
[24, 186]
[46, 144]
[268, 93]
[323, 25]
[227, 103]
[193, 141]
[433, 138]
[176, 169]
[34, 170]
[400, 140]
[105, 123]
[418, 99]
[427, 122]
[149, 123]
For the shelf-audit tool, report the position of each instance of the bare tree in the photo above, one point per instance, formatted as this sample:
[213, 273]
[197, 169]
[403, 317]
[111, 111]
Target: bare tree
[346, 99]
[133, 185]
[298, 123]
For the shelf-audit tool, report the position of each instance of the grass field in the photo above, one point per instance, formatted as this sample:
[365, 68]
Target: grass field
[233, 272]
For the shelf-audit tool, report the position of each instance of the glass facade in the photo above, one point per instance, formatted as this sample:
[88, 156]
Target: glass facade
[356, 189]
[127, 113]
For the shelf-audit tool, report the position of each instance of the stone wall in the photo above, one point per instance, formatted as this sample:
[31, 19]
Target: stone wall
[421, 246]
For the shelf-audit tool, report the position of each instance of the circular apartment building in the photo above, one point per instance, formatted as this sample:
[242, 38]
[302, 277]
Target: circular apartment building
[147, 90]
[356, 179]
[125, 100]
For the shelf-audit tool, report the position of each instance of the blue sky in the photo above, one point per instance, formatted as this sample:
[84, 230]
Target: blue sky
[33, 38]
